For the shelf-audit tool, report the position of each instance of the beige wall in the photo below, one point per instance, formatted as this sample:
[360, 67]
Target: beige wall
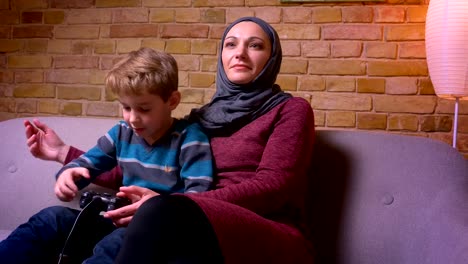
[361, 66]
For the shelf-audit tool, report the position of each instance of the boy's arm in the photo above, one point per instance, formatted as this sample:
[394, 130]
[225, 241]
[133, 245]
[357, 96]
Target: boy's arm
[196, 161]
[101, 158]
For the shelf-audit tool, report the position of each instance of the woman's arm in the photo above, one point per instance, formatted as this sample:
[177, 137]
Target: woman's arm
[281, 176]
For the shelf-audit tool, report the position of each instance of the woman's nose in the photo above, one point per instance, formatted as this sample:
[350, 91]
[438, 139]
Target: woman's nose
[240, 51]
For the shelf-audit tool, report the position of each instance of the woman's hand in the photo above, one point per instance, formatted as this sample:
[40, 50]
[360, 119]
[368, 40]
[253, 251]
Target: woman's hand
[44, 143]
[138, 195]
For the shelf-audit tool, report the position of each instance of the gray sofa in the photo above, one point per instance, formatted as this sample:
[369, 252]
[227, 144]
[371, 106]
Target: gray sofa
[374, 198]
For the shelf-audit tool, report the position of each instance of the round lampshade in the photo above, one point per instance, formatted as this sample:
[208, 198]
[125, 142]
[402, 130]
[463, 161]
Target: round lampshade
[447, 47]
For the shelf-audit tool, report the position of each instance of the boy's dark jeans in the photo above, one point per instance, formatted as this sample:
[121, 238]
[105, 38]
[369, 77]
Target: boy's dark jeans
[41, 239]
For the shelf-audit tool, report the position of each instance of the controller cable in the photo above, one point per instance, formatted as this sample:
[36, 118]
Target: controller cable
[71, 231]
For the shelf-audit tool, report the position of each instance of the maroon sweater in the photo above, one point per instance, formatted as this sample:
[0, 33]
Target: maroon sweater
[257, 206]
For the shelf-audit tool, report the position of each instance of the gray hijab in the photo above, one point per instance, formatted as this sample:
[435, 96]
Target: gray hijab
[235, 105]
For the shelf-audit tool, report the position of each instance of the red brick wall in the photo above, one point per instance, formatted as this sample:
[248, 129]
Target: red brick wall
[361, 65]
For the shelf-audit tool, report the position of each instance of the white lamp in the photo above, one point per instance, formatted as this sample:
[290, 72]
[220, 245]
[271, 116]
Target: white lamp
[447, 51]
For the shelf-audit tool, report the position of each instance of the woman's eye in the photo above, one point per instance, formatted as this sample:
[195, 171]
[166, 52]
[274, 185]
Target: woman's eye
[229, 44]
[256, 45]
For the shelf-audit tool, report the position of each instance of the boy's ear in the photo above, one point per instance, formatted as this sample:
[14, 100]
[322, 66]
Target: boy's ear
[174, 100]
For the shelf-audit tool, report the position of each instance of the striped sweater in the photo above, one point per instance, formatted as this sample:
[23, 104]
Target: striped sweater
[179, 162]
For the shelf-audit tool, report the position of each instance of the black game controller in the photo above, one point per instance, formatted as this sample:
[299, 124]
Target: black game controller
[105, 201]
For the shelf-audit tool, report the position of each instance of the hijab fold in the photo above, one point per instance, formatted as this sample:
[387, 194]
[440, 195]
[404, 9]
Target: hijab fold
[235, 105]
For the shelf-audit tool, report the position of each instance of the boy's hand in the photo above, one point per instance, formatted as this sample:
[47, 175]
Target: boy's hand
[138, 195]
[65, 187]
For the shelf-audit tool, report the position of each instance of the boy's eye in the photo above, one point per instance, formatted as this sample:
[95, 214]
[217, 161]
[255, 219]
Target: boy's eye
[144, 110]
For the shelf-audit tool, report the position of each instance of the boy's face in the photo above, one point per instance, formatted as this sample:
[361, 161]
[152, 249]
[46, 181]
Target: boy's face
[148, 115]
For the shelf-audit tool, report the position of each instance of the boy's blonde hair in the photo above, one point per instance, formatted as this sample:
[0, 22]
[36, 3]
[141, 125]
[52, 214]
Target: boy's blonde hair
[144, 70]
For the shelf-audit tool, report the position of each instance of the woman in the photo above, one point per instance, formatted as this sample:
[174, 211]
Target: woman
[262, 141]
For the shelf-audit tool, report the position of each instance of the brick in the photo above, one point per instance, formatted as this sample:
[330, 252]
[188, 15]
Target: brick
[65, 4]
[7, 76]
[82, 47]
[194, 96]
[34, 91]
[177, 46]
[162, 15]
[327, 14]
[97, 77]
[346, 49]
[416, 14]
[117, 3]
[29, 76]
[297, 15]
[462, 124]
[341, 119]
[7, 105]
[397, 68]
[71, 108]
[59, 46]
[76, 62]
[8, 17]
[226, 3]
[202, 79]
[107, 62]
[354, 14]
[36, 46]
[6, 90]
[401, 85]
[104, 31]
[184, 109]
[33, 31]
[29, 61]
[291, 48]
[134, 15]
[133, 31]
[183, 79]
[74, 76]
[28, 106]
[293, 66]
[216, 31]
[213, 16]
[371, 121]
[405, 32]
[127, 45]
[338, 101]
[436, 123]
[77, 92]
[188, 62]
[104, 47]
[316, 49]
[287, 82]
[31, 17]
[403, 122]
[374, 85]
[5, 31]
[156, 44]
[103, 109]
[205, 47]
[234, 13]
[340, 84]
[77, 32]
[425, 87]
[389, 14]
[4, 4]
[296, 31]
[311, 83]
[109, 95]
[405, 104]
[10, 45]
[271, 15]
[89, 16]
[413, 50]
[445, 106]
[187, 15]
[319, 118]
[352, 32]
[184, 31]
[209, 64]
[48, 107]
[54, 17]
[381, 50]
[337, 67]
[172, 3]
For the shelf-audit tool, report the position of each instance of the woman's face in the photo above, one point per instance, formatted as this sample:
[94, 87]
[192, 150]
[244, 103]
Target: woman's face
[246, 50]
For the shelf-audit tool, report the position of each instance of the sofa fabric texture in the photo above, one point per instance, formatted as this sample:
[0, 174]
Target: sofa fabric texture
[373, 197]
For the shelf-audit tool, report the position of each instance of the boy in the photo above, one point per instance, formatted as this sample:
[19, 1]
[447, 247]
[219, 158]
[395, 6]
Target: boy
[154, 151]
